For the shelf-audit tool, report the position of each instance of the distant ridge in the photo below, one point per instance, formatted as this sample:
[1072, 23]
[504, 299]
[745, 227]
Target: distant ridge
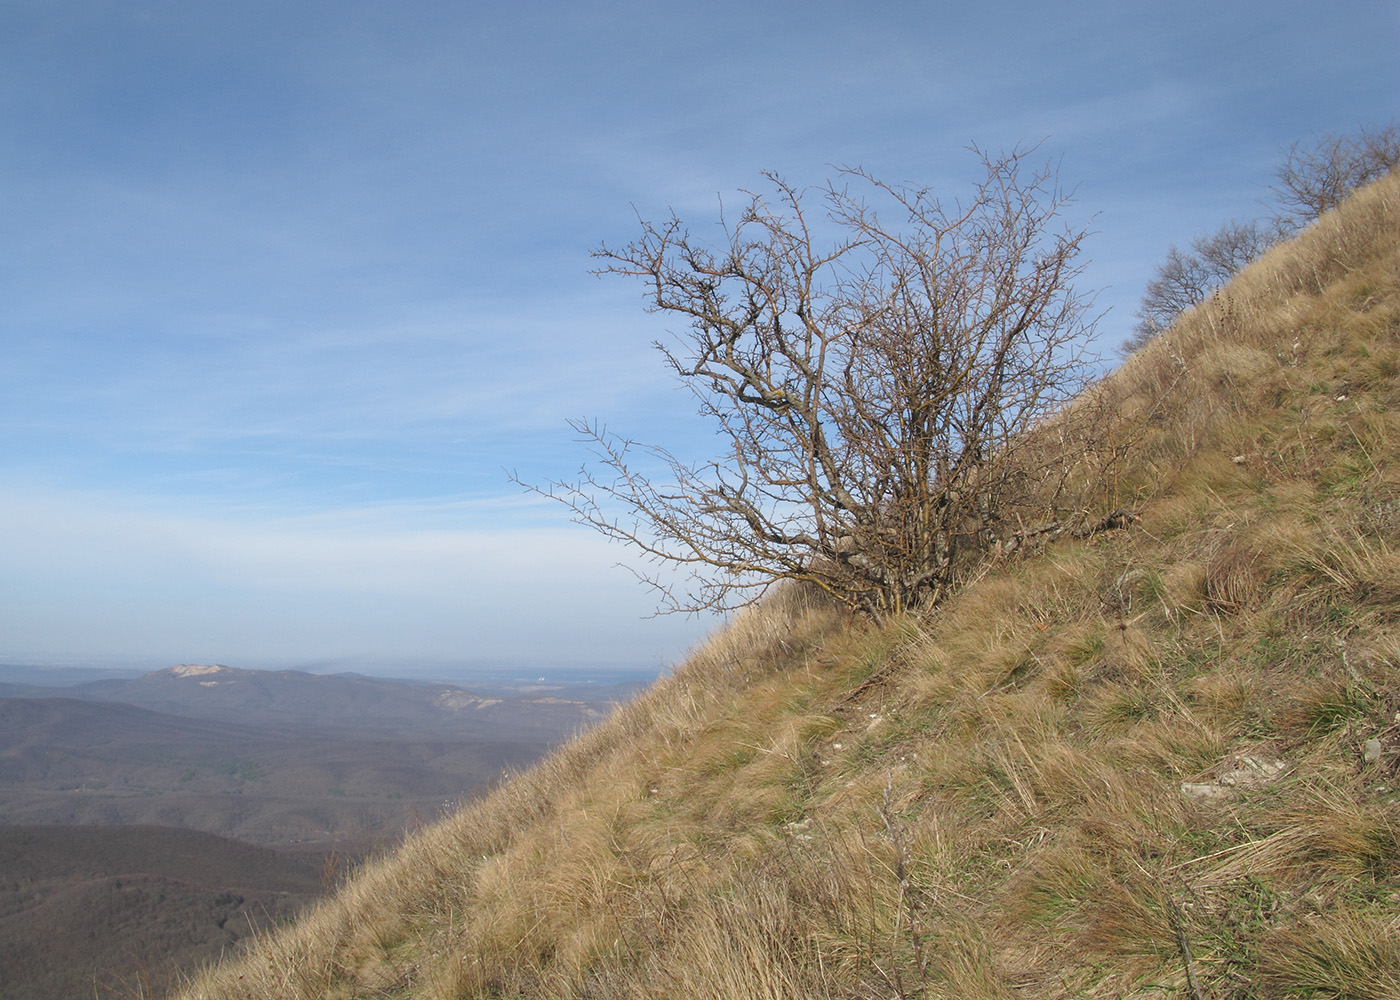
[345, 702]
[196, 670]
[64, 760]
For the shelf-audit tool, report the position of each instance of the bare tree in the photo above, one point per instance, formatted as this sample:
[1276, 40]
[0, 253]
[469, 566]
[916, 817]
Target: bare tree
[1187, 278]
[1316, 176]
[872, 379]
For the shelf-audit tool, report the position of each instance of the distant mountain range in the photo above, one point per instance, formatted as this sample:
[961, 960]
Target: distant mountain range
[343, 702]
[269, 756]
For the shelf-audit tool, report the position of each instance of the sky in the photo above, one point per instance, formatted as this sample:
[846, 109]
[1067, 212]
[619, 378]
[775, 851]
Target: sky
[288, 288]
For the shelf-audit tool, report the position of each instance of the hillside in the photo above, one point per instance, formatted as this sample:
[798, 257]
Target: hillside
[1157, 762]
[98, 912]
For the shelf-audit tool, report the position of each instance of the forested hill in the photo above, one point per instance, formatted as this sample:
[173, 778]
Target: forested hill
[1157, 762]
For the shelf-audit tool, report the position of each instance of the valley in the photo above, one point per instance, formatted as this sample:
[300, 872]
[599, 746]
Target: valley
[148, 824]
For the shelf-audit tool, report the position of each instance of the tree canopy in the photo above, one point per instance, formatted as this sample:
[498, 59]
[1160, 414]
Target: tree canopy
[873, 359]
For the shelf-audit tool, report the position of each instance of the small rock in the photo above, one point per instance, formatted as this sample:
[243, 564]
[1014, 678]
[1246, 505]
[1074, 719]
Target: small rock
[1262, 766]
[1247, 772]
[1239, 459]
[1372, 752]
[1252, 771]
[1204, 790]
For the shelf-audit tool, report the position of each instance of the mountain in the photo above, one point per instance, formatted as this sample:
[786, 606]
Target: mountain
[1162, 761]
[135, 903]
[63, 760]
[346, 702]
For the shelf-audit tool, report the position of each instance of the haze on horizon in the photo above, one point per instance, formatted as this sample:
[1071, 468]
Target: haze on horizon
[285, 287]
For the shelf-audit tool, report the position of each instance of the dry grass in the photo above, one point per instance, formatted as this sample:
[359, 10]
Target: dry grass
[989, 801]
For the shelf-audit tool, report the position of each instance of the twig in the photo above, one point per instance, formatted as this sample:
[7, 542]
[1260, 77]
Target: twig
[906, 901]
[1183, 943]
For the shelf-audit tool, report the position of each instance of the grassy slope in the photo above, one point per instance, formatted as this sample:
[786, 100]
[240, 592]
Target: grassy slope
[988, 802]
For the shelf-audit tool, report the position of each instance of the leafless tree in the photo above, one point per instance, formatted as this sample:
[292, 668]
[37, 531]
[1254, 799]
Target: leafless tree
[1314, 177]
[1187, 278]
[1317, 175]
[874, 380]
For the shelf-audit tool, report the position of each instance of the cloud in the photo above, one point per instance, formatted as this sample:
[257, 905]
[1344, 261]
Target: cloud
[97, 573]
[277, 279]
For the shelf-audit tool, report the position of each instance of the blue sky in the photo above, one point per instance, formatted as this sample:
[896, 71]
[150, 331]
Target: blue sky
[284, 286]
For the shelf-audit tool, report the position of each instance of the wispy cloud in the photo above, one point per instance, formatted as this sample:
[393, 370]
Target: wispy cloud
[284, 287]
[389, 581]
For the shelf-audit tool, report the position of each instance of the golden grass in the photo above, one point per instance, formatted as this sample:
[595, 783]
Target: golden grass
[988, 801]
[1347, 956]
